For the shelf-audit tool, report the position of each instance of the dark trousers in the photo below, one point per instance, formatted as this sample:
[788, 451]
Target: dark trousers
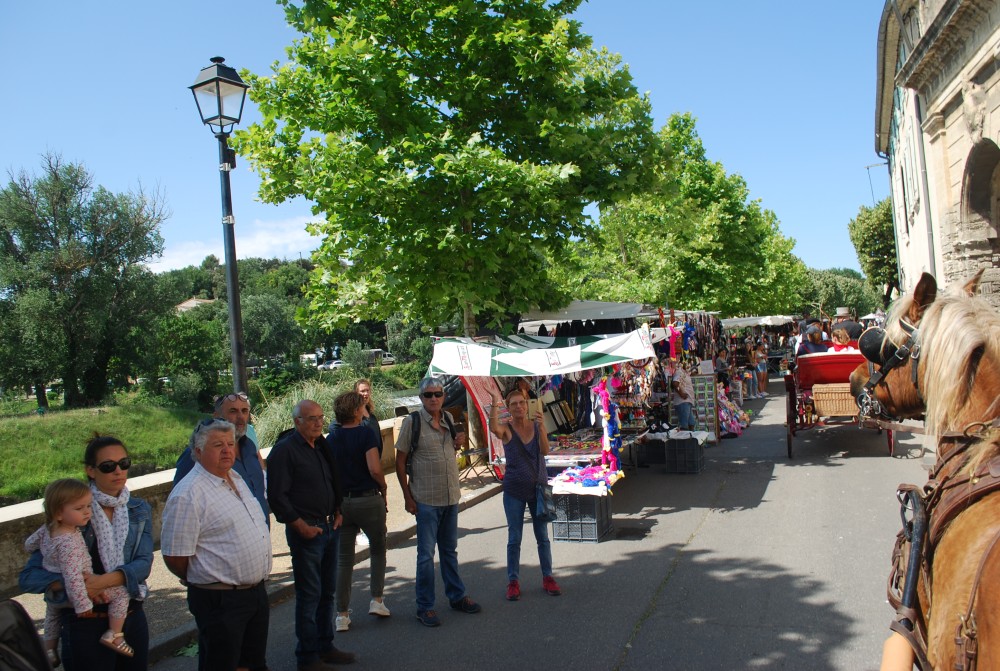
[82, 651]
[314, 568]
[232, 627]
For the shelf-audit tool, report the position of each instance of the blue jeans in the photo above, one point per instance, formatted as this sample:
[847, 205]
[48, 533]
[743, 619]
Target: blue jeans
[314, 569]
[685, 415]
[752, 384]
[437, 526]
[514, 510]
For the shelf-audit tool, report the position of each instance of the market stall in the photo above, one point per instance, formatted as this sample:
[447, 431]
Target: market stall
[617, 371]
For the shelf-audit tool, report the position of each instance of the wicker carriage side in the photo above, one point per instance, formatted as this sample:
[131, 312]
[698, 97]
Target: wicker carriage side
[834, 400]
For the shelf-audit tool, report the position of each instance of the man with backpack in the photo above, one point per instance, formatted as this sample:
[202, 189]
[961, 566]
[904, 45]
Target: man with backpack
[428, 475]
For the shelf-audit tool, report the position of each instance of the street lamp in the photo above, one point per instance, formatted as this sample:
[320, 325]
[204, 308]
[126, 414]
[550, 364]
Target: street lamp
[219, 94]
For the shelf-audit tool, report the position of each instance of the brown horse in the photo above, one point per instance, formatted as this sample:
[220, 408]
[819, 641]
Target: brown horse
[953, 341]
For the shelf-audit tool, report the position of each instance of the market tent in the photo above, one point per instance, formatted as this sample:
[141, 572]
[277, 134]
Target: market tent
[581, 311]
[537, 356]
[743, 322]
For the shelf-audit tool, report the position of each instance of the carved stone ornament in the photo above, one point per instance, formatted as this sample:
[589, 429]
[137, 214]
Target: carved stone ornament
[974, 108]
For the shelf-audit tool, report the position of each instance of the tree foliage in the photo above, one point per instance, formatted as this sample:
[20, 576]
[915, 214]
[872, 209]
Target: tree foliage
[826, 290]
[696, 242]
[71, 260]
[874, 239]
[452, 147]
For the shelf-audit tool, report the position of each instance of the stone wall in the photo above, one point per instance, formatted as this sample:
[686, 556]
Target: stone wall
[19, 521]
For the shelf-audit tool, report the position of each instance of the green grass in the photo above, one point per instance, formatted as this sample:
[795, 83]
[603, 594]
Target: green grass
[36, 449]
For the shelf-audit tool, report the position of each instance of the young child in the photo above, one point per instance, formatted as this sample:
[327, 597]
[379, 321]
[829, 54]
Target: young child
[67, 508]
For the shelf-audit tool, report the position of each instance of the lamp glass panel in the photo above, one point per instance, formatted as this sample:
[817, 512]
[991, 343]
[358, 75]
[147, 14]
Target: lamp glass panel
[232, 101]
[208, 102]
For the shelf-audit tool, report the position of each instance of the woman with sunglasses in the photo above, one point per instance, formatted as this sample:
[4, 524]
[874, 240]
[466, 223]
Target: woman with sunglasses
[119, 537]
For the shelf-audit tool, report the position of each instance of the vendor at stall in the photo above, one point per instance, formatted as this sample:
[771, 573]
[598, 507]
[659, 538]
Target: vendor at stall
[683, 401]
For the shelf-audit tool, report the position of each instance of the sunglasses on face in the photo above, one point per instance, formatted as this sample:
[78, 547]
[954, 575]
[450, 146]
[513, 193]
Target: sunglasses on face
[109, 466]
[239, 396]
[433, 394]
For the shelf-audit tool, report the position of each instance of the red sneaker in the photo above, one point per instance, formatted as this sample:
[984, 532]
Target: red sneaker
[513, 591]
[549, 585]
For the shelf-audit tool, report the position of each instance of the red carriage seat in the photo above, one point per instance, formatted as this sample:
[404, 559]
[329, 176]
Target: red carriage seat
[826, 368]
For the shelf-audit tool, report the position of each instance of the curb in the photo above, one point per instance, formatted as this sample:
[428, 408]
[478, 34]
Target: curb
[166, 644]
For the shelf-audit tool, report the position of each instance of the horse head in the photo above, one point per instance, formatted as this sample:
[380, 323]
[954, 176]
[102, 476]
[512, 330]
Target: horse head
[896, 391]
[938, 355]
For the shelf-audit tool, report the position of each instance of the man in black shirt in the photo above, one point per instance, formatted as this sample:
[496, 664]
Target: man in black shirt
[303, 488]
[843, 321]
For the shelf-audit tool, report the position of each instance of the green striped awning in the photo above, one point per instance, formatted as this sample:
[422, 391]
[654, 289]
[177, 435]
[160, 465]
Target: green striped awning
[533, 355]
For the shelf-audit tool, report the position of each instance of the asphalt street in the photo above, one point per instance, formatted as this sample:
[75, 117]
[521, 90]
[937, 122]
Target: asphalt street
[758, 562]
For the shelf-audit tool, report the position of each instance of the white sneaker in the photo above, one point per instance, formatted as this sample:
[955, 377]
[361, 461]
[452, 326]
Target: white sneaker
[376, 608]
[344, 621]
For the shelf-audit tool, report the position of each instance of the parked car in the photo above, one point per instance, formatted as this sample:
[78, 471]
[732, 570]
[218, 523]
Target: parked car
[331, 364]
[388, 359]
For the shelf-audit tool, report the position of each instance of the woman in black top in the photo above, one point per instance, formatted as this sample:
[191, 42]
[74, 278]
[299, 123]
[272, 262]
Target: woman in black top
[355, 449]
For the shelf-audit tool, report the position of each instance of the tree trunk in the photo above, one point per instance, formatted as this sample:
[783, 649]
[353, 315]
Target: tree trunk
[40, 396]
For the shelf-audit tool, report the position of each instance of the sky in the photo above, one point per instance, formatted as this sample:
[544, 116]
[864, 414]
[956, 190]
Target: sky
[783, 94]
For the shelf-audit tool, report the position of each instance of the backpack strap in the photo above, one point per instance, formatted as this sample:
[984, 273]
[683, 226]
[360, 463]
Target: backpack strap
[414, 431]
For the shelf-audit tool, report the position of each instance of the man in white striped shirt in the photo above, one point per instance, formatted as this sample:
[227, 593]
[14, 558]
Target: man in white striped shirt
[216, 540]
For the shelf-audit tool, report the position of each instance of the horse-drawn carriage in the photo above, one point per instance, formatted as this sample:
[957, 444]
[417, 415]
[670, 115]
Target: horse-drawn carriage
[819, 394]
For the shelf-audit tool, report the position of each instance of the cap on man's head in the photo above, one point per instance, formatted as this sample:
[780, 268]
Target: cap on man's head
[843, 312]
[813, 329]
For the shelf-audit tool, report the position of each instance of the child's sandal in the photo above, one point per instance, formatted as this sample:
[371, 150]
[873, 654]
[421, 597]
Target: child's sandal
[119, 646]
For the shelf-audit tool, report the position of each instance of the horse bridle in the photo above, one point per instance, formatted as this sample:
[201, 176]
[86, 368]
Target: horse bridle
[873, 346]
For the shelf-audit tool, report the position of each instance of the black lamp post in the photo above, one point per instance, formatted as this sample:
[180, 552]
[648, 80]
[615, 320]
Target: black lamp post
[220, 93]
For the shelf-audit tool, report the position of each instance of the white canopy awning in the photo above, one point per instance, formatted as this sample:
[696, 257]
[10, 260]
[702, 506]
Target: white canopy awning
[743, 322]
[582, 310]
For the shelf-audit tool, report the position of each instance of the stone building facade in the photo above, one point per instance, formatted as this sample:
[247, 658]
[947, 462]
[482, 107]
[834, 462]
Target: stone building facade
[937, 122]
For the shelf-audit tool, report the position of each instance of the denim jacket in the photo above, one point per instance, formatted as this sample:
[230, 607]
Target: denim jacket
[138, 555]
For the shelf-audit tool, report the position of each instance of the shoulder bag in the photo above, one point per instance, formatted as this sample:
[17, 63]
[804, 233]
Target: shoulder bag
[545, 506]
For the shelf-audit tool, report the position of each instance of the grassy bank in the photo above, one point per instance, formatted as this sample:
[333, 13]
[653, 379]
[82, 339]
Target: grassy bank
[35, 449]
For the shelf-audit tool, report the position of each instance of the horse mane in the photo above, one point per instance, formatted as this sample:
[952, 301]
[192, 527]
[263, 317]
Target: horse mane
[956, 332]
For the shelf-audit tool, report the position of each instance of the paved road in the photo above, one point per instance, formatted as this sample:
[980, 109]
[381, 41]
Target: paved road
[756, 563]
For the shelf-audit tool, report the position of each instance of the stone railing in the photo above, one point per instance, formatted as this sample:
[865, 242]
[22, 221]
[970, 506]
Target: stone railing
[19, 521]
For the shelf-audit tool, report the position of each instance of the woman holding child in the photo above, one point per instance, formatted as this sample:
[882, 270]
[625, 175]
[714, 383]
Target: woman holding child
[119, 539]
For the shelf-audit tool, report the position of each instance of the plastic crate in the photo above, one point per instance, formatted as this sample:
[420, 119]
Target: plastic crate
[650, 452]
[685, 455]
[581, 518]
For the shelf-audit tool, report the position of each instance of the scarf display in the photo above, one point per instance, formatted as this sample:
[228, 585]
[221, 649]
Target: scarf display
[110, 533]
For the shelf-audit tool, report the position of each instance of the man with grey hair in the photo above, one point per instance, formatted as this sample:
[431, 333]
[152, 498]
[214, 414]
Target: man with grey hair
[303, 488]
[234, 408]
[431, 492]
[215, 539]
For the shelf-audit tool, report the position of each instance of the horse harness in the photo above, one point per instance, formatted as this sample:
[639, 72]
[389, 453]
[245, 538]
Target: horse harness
[947, 493]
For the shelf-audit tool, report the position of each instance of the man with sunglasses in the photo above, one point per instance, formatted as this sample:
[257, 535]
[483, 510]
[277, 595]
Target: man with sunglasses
[432, 493]
[303, 488]
[235, 409]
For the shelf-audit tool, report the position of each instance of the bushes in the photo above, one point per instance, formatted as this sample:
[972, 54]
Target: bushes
[276, 416]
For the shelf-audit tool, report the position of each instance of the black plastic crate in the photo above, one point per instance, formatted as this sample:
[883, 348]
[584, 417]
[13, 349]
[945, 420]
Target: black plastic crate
[650, 452]
[581, 518]
[685, 455]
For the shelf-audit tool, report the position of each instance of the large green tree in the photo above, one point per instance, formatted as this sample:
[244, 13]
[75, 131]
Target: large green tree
[74, 254]
[451, 145]
[874, 238]
[826, 290]
[697, 241]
